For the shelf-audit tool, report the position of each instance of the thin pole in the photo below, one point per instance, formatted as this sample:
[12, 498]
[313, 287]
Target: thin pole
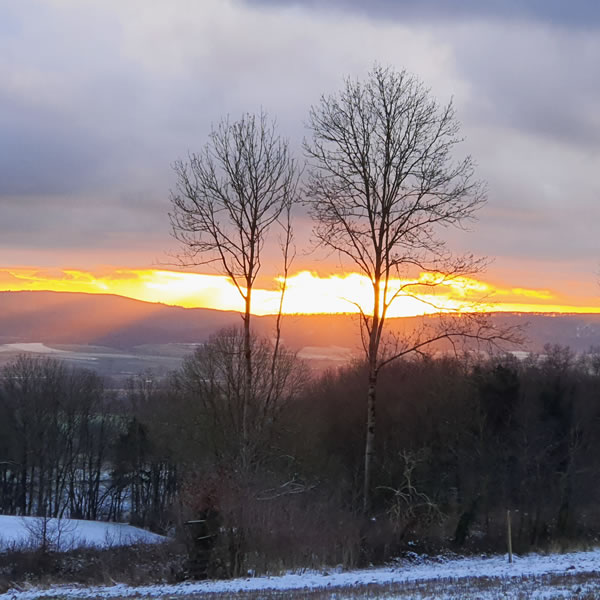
[509, 537]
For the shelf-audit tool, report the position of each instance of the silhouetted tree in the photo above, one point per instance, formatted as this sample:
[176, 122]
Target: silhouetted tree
[227, 200]
[384, 180]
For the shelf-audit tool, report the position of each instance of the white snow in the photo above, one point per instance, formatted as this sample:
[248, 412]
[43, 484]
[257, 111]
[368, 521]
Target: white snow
[66, 534]
[447, 572]
[36, 347]
[333, 353]
[80, 353]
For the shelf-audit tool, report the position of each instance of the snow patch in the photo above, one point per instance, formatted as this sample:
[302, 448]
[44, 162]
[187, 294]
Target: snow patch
[67, 534]
[37, 347]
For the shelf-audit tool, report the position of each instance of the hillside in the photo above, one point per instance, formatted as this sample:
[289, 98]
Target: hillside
[102, 320]
[124, 324]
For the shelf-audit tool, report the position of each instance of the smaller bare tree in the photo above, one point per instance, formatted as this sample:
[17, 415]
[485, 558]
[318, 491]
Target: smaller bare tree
[214, 377]
[50, 534]
[227, 200]
[411, 506]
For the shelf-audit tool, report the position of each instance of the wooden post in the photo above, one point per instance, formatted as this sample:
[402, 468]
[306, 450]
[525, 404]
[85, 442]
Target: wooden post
[509, 537]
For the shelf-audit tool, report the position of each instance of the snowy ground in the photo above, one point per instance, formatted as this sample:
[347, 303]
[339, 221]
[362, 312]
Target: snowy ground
[66, 534]
[574, 575]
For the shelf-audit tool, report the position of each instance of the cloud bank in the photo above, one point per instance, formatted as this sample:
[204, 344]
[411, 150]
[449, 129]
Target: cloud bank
[97, 99]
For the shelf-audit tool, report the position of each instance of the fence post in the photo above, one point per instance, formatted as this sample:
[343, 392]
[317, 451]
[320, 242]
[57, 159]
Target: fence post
[509, 537]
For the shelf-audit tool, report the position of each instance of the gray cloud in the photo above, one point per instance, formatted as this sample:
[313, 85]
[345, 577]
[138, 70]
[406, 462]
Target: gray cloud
[577, 13]
[538, 80]
[39, 156]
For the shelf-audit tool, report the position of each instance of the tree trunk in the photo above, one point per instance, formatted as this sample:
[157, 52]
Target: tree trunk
[370, 439]
[371, 396]
[23, 478]
[248, 376]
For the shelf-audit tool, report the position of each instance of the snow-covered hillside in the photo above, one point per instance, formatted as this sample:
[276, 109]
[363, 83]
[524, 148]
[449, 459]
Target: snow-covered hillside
[66, 534]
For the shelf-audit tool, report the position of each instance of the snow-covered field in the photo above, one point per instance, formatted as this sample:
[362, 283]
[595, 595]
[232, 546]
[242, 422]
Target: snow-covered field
[574, 575]
[36, 347]
[66, 534]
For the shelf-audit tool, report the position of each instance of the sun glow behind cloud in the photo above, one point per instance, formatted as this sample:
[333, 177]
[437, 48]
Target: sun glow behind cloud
[307, 292]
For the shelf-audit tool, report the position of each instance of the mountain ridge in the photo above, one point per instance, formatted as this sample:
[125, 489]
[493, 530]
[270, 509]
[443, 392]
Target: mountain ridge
[121, 322]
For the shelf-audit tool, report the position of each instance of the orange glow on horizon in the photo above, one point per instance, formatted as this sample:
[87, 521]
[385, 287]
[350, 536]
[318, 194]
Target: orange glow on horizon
[307, 292]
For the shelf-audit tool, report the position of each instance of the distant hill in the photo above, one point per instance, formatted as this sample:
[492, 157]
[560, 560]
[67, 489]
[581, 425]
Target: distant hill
[103, 320]
[124, 323]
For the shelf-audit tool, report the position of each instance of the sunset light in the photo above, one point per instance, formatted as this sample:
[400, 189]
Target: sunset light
[307, 292]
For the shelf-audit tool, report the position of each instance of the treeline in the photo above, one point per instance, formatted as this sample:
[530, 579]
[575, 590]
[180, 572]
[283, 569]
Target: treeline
[459, 442]
[54, 427]
[70, 448]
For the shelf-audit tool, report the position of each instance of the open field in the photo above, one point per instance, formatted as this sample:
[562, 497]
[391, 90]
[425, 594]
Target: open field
[109, 362]
[159, 359]
[573, 575]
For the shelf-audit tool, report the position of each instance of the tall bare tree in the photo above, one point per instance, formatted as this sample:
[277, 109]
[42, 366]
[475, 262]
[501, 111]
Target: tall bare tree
[227, 200]
[383, 181]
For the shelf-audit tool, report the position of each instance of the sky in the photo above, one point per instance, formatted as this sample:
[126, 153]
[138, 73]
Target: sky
[99, 98]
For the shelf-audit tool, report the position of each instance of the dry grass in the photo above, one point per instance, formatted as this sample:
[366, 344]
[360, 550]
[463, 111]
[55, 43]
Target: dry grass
[577, 586]
[135, 565]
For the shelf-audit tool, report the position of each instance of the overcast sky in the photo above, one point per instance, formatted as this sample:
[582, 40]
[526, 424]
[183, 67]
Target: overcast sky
[98, 98]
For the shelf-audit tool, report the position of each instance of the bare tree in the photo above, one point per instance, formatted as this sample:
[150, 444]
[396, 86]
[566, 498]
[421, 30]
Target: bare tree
[383, 181]
[214, 377]
[226, 202]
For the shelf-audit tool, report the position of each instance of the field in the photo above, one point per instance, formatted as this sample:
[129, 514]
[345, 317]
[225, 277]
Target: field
[573, 575]
[69, 534]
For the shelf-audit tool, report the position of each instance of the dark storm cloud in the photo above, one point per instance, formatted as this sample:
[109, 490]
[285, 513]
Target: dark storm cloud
[577, 13]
